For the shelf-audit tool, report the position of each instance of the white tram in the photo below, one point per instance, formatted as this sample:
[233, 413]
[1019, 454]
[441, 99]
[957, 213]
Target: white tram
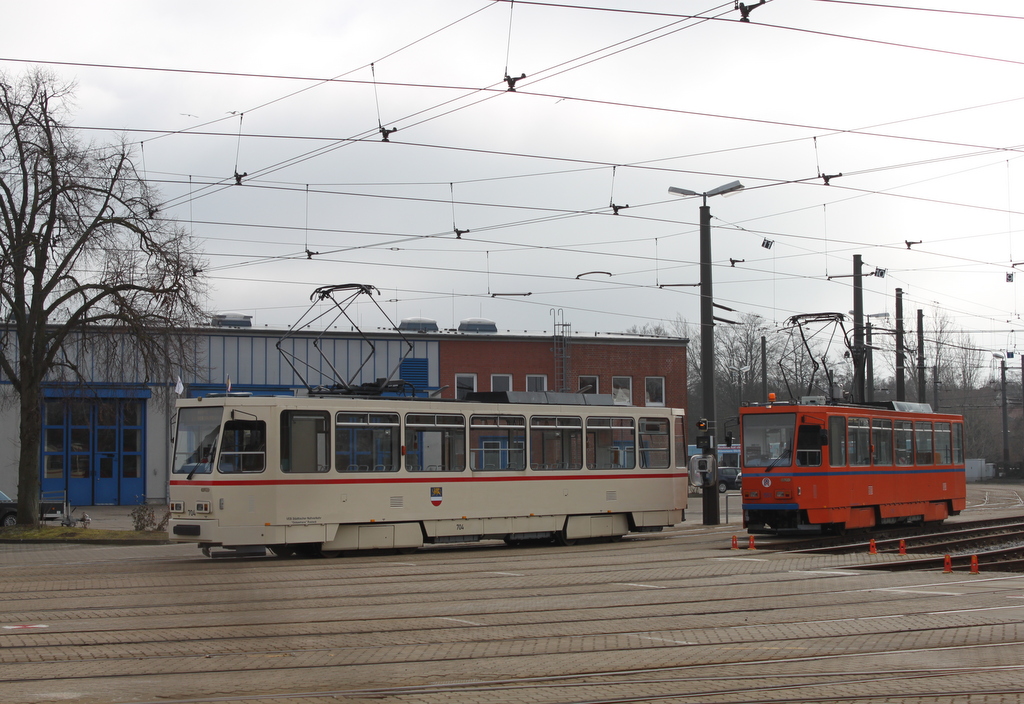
[319, 475]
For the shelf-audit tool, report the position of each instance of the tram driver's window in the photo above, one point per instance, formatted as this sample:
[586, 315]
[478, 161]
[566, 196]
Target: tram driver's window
[305, 442]
[243, 447]
[808, 446]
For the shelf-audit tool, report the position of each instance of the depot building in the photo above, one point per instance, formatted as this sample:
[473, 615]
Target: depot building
[110, 442]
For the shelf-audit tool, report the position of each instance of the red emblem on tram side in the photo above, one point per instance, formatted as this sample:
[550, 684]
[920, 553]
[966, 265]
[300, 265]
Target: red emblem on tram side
[435, 495]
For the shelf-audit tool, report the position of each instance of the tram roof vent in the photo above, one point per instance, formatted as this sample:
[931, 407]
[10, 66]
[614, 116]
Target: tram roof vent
[813, 401]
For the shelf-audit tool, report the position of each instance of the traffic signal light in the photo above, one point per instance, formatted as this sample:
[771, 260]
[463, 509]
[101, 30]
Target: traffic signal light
[702, 425]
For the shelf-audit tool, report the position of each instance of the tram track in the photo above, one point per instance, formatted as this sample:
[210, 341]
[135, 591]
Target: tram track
[709, 624]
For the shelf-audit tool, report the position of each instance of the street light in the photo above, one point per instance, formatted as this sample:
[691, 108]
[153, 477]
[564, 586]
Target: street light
[869, 392]
[1006, 427]
[740, 371]
[707, 333]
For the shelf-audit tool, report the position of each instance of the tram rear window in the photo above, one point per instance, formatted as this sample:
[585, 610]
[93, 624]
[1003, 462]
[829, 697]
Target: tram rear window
[654, 443]
[367, 442]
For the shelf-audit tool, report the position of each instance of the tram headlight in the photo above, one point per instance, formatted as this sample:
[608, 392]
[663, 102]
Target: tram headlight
[202, 507]
[177, 507]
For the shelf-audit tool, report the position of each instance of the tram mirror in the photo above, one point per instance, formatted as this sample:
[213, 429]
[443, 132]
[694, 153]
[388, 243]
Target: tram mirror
[824, 437]
[702, 470]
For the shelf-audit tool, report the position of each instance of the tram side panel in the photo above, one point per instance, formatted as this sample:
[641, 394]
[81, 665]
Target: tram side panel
[808, 467]
[345, 510]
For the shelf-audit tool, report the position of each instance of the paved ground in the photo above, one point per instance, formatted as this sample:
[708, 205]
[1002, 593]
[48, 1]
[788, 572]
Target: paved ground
[675, 617]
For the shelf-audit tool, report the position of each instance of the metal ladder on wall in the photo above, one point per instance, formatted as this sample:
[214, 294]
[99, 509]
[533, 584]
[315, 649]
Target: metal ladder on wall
[561, 348]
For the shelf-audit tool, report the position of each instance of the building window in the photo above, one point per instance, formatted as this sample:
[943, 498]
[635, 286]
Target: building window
[501, 382]
[589, 385]
[622, 390]
[655, 390]
[536, 382]
[464, 384]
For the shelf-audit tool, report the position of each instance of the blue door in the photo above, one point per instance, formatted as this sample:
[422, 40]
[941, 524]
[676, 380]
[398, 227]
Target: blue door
[94, 449]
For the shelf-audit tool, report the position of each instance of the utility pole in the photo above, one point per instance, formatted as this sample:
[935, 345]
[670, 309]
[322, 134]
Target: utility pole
[764, 369]
[1006, 424]
[901, 384]
[869, 387]
[858, 331]
[921, 397]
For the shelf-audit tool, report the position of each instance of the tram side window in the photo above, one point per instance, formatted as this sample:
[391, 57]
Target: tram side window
[859, 437]
[837, 441]
[305, 442]
[881, 439]
[654, 443]
[556, 442]
[497, 442]
[943, 444]
[904, 443]
[435, 442]
[367, 442]
[923, 442]
[958, 443]
[243, 446]
[611, 443]
[808, 446]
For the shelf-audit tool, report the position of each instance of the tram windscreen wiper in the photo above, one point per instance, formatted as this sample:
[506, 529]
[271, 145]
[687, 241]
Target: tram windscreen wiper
[775, 462]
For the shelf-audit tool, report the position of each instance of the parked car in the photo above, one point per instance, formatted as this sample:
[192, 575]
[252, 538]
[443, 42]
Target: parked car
[8, 510]
[48, 510]
[728, 478]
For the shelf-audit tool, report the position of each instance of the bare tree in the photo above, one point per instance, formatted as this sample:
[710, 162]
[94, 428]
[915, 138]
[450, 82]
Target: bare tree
[90, 275]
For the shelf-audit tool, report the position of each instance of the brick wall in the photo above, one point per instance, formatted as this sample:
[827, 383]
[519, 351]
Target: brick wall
[637, 358]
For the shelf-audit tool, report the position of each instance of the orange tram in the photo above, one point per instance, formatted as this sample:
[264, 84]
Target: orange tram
[813, 465]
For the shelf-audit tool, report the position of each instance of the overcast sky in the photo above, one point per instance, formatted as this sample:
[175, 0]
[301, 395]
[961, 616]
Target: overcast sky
[920, 107]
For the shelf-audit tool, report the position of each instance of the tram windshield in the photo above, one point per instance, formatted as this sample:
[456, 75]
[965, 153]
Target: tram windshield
[768, 439]
[196, 441]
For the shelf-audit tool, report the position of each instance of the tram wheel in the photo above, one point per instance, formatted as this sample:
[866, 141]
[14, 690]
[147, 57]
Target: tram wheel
[330, 554]
[560, 539]
[307, 549]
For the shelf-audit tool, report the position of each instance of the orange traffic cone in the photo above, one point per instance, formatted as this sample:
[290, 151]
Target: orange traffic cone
[974, 564]
[872, 550]
[903, 547]
[735, 543]
[750, 544]
[947, 565]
